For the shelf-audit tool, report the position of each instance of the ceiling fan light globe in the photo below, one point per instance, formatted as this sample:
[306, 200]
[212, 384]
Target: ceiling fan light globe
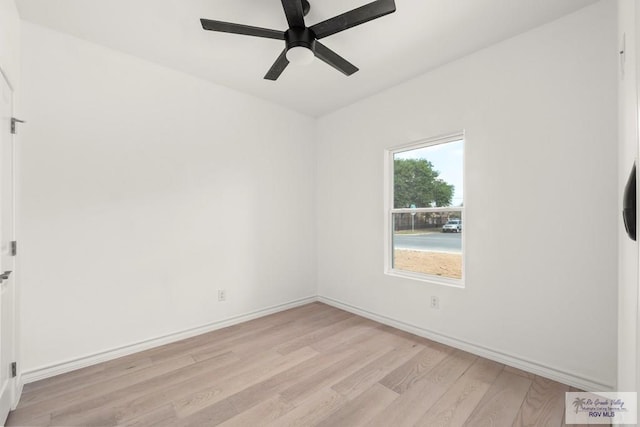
[300, 55]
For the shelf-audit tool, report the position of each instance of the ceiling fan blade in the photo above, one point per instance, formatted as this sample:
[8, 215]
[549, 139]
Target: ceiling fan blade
[354, 17]
[336, 61]
[278, 67]
[228, 27]
[294, 13]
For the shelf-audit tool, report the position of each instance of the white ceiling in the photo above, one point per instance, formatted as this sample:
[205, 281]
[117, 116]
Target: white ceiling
[420, 36]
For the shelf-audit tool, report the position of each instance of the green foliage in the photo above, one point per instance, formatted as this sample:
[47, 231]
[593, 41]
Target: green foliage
[416, 182]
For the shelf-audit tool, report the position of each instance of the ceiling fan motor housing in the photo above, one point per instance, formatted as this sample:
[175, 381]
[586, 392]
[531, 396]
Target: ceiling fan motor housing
[302, 37]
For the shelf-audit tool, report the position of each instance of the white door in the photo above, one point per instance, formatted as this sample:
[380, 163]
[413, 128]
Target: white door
[7, 289]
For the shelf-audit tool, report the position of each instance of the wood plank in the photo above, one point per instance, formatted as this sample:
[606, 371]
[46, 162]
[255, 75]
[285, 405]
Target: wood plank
[263, 413]
[65, 400]
[520, 372]
[501, 403]
[125, 403]
[301, 381]
[283, 333]
[27, 419]
[174, 390]
[311, 410]
[359, 333]
[403, 377]
[231, 336]
[455, 406]
[409, 407]
[333, 374]
[224, 411]
[162, 416]
[543, 405]
[319, 334]
[362, 409]
[373, 372]
[200, 399]
[253, 395]
[182, 384]
[249, 396]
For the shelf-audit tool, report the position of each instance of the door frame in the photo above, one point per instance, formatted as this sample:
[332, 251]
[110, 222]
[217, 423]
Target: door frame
[15, 384]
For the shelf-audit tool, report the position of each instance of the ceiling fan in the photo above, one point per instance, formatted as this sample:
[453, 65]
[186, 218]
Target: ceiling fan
[302, 43]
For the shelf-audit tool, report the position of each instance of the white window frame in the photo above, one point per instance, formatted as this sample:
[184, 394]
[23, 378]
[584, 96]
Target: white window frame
[389, 210]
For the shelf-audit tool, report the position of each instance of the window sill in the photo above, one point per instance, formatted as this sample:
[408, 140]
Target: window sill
[436, 280]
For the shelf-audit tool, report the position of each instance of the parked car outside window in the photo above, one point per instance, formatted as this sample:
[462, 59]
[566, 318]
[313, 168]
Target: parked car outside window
[452, 226]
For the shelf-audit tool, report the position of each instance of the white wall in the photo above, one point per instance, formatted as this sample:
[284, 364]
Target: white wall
[145, 191]
[10, 41]
[628, 152]
[540, 114]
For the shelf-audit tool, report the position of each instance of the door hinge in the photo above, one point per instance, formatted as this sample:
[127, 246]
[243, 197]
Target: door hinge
[14, 369]
[14, 248]
[13, 124]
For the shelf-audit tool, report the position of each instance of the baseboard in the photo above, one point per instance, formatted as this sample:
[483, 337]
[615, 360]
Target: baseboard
[561, 376]
[18, 392]
[92, 359]
[564, 377]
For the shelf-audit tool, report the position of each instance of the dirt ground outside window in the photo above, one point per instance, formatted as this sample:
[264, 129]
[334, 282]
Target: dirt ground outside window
[435, 263]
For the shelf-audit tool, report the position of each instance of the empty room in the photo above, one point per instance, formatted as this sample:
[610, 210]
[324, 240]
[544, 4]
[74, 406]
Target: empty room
[322, 212]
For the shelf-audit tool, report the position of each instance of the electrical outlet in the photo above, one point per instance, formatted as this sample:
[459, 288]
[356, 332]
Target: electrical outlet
[435, 302]
[222, 295]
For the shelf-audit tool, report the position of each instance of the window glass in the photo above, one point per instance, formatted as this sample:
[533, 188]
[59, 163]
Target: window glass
[427, 210]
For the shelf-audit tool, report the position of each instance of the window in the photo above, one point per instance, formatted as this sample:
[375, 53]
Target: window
[425, 210]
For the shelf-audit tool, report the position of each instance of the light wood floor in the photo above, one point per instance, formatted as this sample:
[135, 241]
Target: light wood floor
[312, 365]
